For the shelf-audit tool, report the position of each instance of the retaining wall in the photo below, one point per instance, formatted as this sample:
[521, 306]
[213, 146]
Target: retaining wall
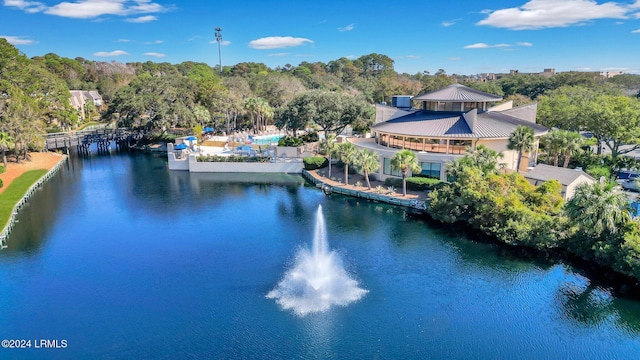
[12, 220]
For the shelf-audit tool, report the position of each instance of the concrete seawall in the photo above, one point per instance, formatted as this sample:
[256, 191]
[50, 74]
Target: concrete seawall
[368, 195]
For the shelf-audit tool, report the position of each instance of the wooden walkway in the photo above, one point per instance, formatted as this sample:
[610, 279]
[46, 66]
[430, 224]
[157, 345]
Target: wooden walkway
[83, 139]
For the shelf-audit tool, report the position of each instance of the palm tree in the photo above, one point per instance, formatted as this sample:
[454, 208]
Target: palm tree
[346, 153]
[572, 145]
[553, 143]
[330, 146]
[405, 161]
[521, 139]
[6, 141]
[368, 161]
[598, 208]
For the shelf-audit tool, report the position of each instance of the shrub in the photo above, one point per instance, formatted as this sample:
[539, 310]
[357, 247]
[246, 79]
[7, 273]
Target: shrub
[290, 141]
[315, 162]
[422, 183]
[232, 158]
[598, 170]
[415, 183]
[2, 169]
[393, 182]
[310, 137]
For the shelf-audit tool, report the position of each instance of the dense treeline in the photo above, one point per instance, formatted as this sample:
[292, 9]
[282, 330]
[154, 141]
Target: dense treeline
[595, 225]
[245, 95]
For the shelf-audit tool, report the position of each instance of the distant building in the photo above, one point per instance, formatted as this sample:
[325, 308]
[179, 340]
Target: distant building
[568, 178]
[79, 99]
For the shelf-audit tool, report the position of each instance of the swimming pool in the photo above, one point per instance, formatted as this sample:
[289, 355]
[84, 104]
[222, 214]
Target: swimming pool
[267, 140]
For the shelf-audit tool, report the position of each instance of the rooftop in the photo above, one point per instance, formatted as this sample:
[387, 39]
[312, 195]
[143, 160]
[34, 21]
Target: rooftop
[565, 176]
[443, 124]
[458, 93]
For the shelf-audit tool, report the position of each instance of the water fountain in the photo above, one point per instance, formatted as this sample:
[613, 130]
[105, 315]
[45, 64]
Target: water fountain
[318, 279]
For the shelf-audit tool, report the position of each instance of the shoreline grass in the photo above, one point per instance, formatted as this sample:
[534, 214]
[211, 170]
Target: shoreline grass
[15, 191]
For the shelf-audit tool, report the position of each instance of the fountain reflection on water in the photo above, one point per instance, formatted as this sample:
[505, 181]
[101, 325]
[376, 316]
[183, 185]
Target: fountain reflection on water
[318, 279]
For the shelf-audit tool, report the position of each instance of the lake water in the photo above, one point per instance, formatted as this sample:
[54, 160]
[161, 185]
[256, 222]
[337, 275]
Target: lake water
[122, 258]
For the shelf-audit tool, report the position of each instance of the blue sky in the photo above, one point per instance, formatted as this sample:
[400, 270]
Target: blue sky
[459, 36]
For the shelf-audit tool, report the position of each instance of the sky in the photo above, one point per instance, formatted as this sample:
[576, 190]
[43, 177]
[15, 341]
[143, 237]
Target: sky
[458, 36]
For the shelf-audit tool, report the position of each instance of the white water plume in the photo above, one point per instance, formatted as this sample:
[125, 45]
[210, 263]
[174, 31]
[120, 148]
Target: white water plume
[318, 279]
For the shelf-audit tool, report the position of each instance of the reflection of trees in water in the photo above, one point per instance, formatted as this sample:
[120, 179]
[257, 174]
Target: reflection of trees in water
[589, 305]
[294, 207]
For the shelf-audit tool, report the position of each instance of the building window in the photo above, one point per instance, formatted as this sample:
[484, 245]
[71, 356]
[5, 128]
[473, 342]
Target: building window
[388, 170]
[430, 170]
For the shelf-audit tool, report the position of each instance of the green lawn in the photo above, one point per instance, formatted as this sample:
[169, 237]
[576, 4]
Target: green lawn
[84, 126]
[16, 190]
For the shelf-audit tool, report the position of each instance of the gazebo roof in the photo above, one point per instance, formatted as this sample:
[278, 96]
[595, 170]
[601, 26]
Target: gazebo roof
[458, 93]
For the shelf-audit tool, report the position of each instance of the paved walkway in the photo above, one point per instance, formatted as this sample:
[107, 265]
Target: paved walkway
[337, 173]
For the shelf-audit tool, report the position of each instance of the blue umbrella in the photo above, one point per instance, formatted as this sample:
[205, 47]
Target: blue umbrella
[191, 138]
[244, 148]
[180, 147]
[208, 129]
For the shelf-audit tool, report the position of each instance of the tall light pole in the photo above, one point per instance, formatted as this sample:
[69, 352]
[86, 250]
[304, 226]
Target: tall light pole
[219, 40]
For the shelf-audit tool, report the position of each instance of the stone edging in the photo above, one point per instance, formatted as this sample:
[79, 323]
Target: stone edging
[9, 226]
[328, 189]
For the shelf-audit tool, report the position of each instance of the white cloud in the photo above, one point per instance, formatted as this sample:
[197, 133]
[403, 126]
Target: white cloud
[154, 54]
[540, 14]
[279, 54]
[86, 9]
[123, 40]
[27, 6]
[477, 46]
[448, 23]
[154, 42]
[347, 28]
[350, 57]
[142, 19]
[636, 31]
[277, 42]
[413, 57]
[17, 40]
[501, 45]
[110, 53]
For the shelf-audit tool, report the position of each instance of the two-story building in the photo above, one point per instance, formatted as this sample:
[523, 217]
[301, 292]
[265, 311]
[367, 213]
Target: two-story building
[446, 123]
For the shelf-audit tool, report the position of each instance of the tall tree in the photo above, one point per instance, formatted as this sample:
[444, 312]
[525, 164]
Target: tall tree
[6, 141]
[368, 161]
[405, 161]
[615, 121]
[521, 139]
[330, 147]
[600, 214]
[347, 154]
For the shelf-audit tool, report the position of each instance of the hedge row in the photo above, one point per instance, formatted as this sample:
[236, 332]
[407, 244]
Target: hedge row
[414, 183]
